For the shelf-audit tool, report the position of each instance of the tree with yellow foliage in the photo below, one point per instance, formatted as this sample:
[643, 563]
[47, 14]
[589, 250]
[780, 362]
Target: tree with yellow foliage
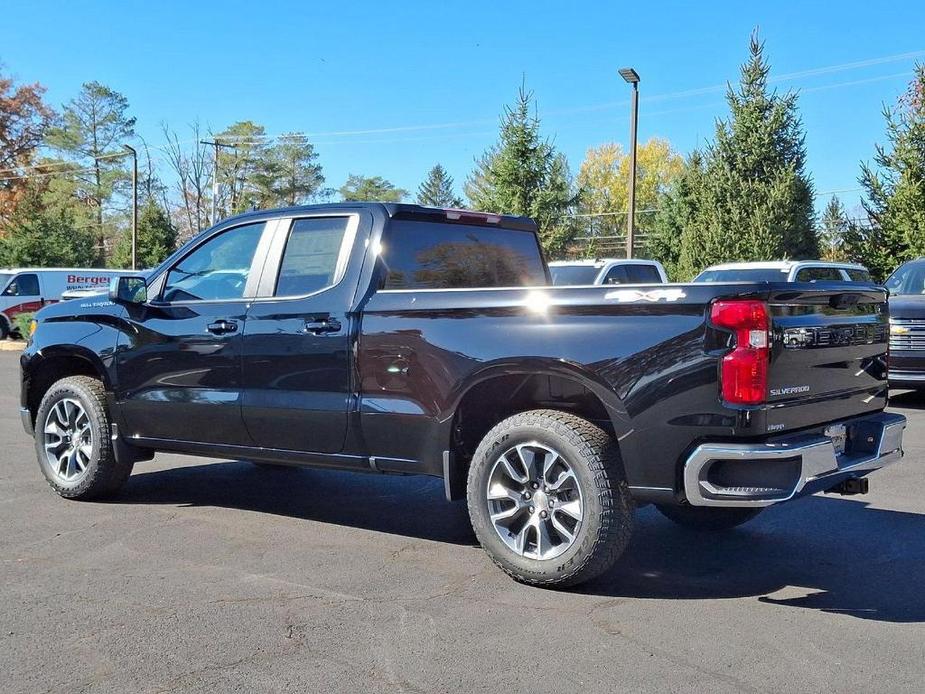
[604, 182]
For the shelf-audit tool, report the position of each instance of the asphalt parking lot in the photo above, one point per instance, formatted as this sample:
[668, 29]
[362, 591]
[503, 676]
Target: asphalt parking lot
[220, 576]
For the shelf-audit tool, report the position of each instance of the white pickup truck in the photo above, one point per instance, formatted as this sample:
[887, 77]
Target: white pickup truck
[606, 271]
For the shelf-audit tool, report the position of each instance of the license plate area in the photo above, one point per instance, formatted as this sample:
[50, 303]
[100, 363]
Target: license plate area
[838, 434]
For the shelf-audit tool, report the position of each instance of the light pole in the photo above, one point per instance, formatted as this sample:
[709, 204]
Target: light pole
[131, 150]
[631, 76]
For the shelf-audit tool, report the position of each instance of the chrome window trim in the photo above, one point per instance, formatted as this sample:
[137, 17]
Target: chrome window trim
[252, 276]
[277, 250]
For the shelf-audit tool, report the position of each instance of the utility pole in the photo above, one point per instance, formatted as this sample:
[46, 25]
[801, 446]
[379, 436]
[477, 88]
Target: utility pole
[631, 76]
[216, 145]
[134, 154]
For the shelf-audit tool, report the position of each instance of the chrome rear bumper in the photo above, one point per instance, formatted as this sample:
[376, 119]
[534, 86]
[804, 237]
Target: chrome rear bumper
[762, 474]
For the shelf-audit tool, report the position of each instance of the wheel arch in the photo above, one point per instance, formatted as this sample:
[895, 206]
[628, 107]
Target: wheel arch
[54, 363]
[501, 390]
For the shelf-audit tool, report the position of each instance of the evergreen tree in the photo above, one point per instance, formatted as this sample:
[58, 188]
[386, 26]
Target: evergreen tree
[675, 207]
[36, 235]
[833, 230]
[753, 199]
[157, 238]
[288, 173]
[437, 189]
[523, 174]
[93, 126]
[375, 188]
[895, 189]
[238, 166]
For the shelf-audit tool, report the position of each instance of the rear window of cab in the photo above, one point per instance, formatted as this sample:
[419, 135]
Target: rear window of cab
[430, 255]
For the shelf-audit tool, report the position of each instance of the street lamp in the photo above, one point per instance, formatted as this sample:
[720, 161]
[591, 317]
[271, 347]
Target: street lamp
[131, 150]
[631, 76]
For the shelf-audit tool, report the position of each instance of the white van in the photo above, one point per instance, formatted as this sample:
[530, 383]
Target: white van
[27, 289]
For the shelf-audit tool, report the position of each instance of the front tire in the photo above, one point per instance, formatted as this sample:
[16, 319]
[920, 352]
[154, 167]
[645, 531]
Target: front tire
[73, 441]
[548, 500]
[707, 518]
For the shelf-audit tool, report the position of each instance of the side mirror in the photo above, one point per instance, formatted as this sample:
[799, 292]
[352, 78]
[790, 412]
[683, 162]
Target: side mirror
[128, 289]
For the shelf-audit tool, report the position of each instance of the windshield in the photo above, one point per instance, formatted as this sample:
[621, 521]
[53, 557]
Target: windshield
[4, 280]
[908, 279]
[570, 275]
[752, 274]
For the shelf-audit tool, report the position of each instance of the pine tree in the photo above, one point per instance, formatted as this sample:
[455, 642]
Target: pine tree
[895, 189]
[675, 208]
[157, 238]
[523, 174]
[92, 127]
[437, 189]
[288, 173]
[753, 199]
[833, 228]
[375, 188]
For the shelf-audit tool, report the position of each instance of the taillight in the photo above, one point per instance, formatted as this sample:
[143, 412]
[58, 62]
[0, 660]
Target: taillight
[744, 372]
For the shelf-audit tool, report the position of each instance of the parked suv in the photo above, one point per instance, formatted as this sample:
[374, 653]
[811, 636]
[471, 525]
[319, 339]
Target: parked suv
[785, 271]
[907, 325]
[387, 338]
[606, 271]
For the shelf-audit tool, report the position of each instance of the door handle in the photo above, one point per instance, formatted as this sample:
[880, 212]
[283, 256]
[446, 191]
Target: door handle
[321, 325]
[220, 327]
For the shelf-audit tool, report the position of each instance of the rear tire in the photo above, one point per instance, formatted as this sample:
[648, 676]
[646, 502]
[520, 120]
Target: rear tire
[4, 328]
[73, 440]
[708, 518]
[548, 500]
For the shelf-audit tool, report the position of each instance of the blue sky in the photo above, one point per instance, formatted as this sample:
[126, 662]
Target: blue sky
[391, 88]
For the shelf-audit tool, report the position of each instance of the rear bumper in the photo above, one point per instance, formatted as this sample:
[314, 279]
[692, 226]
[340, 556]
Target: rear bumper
[762, 474]
[907, 368]
[906, 379]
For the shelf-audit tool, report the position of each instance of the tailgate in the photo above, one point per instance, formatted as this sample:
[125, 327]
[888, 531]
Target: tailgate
[828, 353]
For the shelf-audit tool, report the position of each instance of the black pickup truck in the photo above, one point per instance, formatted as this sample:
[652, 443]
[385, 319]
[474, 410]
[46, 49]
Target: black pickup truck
[392, 338]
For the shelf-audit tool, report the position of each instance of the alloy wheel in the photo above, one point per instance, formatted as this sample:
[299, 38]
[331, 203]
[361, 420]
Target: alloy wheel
[68, 439]
[535, 501]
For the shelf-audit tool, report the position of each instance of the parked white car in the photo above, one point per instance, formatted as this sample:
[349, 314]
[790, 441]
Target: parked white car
[607, 271]
[785, 271]
[26, 290]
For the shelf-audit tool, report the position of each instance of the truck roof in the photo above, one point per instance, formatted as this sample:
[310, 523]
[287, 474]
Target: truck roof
[400, 210]
[783, 265]
[601, 262]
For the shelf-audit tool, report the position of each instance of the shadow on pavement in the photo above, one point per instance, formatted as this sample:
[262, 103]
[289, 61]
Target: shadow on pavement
[409, 506]
[823, 553]
[912, 399]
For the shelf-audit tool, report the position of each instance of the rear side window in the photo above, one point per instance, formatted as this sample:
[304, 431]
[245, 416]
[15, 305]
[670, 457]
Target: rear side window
[858, 275]
[819, 274]
[429, 255]
[642, 274]
[23, 285]
[310, 261]
[616, 275]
